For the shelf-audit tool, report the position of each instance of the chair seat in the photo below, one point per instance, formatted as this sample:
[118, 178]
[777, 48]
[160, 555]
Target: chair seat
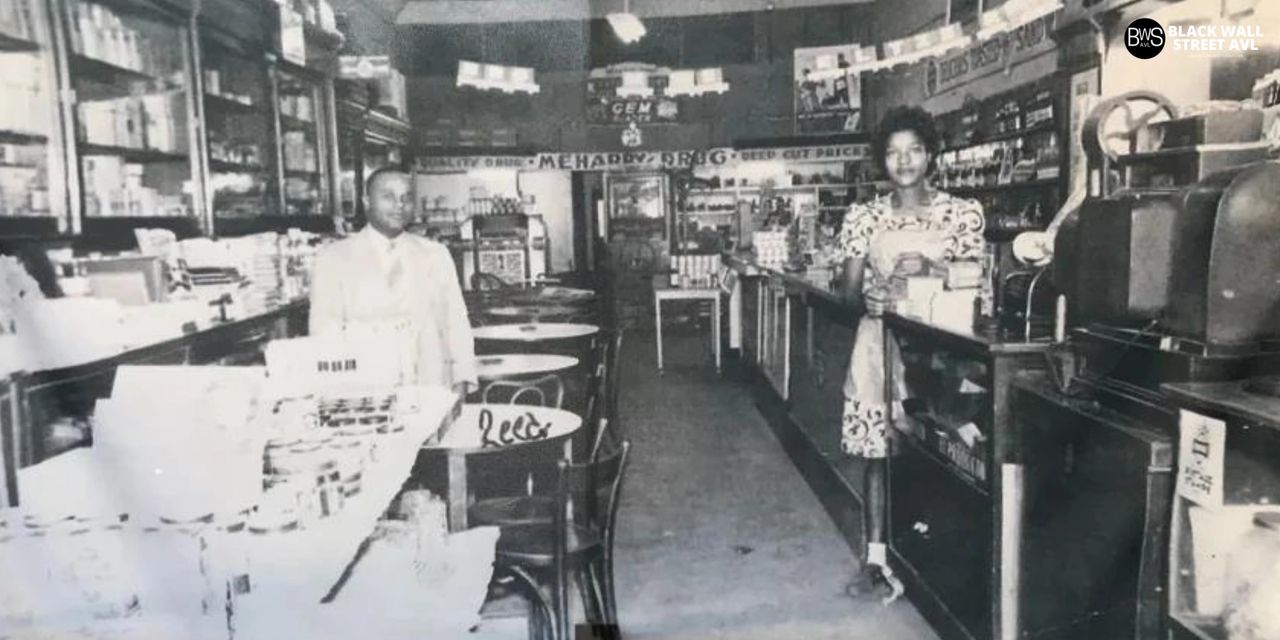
[513, 510]
[530, 545]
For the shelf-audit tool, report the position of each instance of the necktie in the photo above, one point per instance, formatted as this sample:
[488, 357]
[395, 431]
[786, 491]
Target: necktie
[395, 275]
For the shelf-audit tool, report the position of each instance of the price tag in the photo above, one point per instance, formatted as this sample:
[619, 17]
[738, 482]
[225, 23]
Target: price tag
[1200, 458]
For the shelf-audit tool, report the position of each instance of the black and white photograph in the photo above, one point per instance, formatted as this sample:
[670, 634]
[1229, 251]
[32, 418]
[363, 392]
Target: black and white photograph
[642, 319]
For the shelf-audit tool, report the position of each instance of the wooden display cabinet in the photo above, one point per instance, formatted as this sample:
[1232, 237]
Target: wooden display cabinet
[135, 112]
[955, 504]
[1224, 554]
[33, 170]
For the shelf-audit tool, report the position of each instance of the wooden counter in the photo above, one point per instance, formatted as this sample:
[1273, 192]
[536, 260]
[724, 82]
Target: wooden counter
[48, 396]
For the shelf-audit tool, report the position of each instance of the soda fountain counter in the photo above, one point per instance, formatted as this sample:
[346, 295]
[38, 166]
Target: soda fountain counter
[955, 479]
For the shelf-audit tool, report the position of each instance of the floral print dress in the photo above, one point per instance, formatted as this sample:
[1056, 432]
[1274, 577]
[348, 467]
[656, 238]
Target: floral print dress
[951, 230]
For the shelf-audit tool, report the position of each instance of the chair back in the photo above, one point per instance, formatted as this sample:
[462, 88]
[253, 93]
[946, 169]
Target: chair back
[589, 494]
[614, 376]
[10, 431]
[546, 391]
[481, 281]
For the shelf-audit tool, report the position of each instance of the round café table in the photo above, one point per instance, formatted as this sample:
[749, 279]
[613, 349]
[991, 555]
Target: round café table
[481, 429]
[513, 365]
[533, 312]
[534, 332]
[552, 294]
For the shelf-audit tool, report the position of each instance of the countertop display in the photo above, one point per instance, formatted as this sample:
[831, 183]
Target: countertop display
[226, 538]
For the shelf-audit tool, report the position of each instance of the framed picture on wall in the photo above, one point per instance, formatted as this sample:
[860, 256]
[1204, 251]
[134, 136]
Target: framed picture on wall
[828, 92]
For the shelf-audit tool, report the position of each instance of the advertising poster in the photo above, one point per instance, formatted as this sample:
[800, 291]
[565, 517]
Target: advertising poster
[828, 91]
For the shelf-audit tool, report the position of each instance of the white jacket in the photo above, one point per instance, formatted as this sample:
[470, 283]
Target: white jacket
[350, 285]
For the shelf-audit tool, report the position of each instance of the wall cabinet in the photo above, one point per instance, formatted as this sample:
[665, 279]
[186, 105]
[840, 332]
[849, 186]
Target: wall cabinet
[154, 113]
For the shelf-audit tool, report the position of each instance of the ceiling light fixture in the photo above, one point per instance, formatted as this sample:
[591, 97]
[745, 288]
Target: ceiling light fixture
[626, 25]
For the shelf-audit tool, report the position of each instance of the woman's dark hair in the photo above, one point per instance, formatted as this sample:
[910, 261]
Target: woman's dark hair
[905, 118]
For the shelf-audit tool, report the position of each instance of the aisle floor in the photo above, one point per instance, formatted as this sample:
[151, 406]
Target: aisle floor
[719, 536]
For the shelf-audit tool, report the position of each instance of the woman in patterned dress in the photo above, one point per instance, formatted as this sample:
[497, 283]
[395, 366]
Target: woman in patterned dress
[895, 231]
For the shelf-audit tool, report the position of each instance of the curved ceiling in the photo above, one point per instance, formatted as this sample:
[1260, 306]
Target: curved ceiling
[440, 12]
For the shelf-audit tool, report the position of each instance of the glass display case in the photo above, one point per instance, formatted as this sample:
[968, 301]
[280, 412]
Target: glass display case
[32, 170]
[239, 125]
[370, 140]
[638, 205]
[1224, 573]
[130, 70]
[302, 144]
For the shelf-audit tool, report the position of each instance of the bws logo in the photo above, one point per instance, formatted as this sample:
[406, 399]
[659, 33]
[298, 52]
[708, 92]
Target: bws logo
[1144, 38]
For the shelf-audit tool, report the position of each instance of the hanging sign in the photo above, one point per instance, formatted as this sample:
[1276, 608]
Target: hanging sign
[464, 163]
[823, 153]
[619, 111]
[364, 67]
[1001, 50]
[634, 160]
[652, 160]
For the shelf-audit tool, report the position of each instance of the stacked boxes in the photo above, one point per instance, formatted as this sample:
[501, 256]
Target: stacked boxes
[157, 122]
[24, 108]
[16, 19]
[769, 248]
[100, 34]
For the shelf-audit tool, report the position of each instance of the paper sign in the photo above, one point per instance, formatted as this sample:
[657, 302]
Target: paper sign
[1200, 458]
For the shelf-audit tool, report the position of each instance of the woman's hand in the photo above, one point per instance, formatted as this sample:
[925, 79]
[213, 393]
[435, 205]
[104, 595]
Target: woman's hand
[877, 301]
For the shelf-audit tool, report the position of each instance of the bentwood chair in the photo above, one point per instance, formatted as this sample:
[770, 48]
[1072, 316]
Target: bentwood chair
[576, 545]
[601, 428]
[546, 391]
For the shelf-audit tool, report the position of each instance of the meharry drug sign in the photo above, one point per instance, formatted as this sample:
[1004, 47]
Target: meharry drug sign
[605, 161]
[654, 160]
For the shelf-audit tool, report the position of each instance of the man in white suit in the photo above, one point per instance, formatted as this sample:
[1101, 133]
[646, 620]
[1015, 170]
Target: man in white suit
[384, 276]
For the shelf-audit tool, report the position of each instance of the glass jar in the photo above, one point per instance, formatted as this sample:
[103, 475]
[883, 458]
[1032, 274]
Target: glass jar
[1253, 582]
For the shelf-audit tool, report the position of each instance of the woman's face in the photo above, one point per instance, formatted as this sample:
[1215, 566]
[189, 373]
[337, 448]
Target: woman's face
[906, 159]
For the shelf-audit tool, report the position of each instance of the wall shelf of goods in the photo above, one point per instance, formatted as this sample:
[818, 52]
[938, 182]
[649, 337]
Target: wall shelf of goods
[1008, 152]
[370, 138]
[732, 202]
[170, 117]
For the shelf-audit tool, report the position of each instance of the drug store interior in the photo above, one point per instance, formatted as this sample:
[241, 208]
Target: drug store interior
[648, 207]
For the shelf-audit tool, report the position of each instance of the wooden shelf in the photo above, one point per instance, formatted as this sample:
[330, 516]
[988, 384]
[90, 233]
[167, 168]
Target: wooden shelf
[21, 137]
[298, 173]
[28, 226]
[15, 165]
[130, 154]
[224, 104]
[103, 72]
[324, 39]
[10, 42]
[992, 188]
[296, 124]
[1043, 127]
[222, 166]
[299, 70]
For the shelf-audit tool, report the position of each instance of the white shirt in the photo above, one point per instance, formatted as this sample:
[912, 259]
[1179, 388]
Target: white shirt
[352, 284]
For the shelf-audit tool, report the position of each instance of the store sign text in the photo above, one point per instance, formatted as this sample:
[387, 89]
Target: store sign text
[614, 160]
[1001, 49]
[634, 159]
[474, 162]
[616, 111]
[801, 154]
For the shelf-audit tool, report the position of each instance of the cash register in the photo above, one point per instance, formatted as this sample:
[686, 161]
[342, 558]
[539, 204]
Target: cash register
[1169, 272]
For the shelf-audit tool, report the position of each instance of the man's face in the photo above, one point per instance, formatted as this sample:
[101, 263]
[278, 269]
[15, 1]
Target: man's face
[389, 204]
